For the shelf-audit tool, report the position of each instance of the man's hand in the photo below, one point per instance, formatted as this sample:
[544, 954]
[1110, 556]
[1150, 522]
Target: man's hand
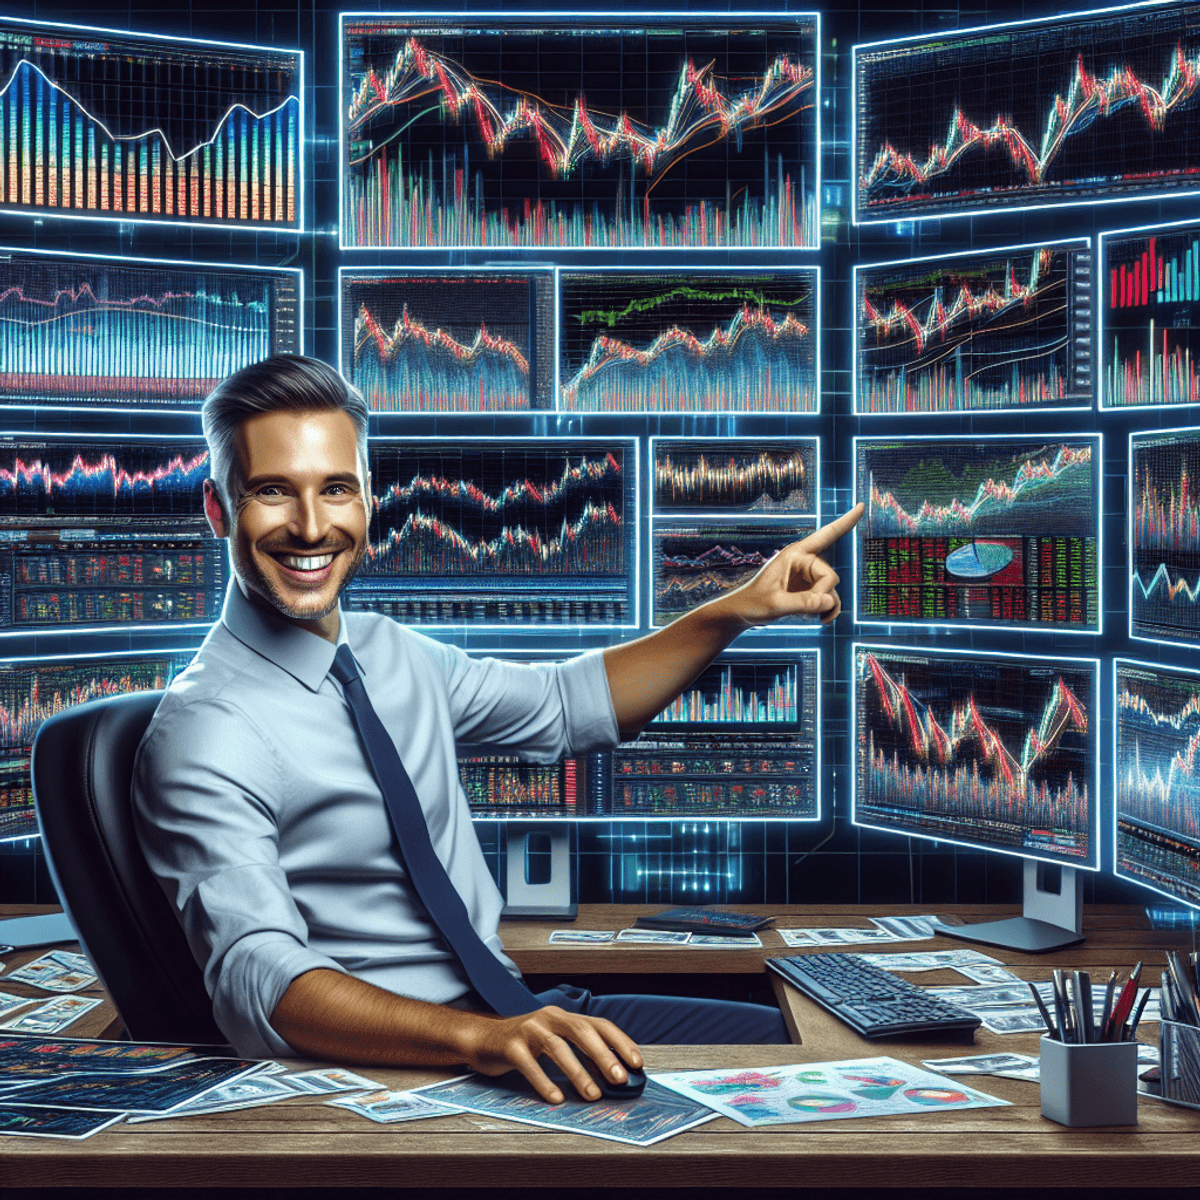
[497, 1046]
[796, 580]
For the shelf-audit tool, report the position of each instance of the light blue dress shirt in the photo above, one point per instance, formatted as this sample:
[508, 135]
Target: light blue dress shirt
[257, 810]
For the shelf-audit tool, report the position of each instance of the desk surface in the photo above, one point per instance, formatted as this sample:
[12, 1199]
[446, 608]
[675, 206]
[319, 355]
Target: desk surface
[304, 1142]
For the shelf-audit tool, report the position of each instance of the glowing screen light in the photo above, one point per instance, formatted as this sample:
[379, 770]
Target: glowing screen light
[1084, 107]
[991, 531]
[134, 127]
[999, 330]
[681, 131]
[1157, 810]
[996, 751]
[85, 330]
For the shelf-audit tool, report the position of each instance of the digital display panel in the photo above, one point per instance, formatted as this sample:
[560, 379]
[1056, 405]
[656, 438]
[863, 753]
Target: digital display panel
[1003, 330]
[136, 127]
[449, 341]
[999, 532]
[694, 341]
[1164, 536]
[994, 751]
[674, 131]
[1157, 810]
[1085, 107]
[501, 532]
[81, 330]
[1151, 301]
[106, 532]
[33, 690]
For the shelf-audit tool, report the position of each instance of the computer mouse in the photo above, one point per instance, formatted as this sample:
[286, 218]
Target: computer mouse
[610, 1089]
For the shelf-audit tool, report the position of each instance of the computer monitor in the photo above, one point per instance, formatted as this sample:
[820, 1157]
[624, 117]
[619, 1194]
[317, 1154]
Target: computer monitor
[33, 689]
[106, 533]
[501, 532]
[998, 752]
[577, 131]
[991, 531]
[1156, 814]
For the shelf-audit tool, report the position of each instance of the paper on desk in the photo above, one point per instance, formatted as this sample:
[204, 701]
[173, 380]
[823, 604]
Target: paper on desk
[10, 1002]
[836, 937]
[330, 1079]
[576, 937]
[52, 1015]
[19, 1121]
[908, 929]
[928, 960]
[56, 971]
[659, 937]
[390, 1107]
[251, 1092]
[804, 1092]
[724, 940]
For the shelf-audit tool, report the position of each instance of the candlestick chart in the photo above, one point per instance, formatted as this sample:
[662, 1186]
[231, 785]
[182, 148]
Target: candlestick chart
[535, 135]
[698, 560]
[691, 342]
[136, 129]
[449, 341]
[31, 692]
[501, 532]
[735, 476]
[1164, 539]
[1004, 330]
[105, 532]
[1000, 531]
[1157, 790]
[996, 752]
[741, 742]
[1151, 301]
[1057, 111]
[79, 329]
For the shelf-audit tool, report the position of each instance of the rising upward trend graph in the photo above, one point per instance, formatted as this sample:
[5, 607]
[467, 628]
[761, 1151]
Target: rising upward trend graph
[449, 342]
[513, 524]
[1157, 770]
[735, 476]
[1151, 282]
[989, 751]
[135, 333]
[1047, 112]
[1165, 536]
[88, 127]
[469, 136]
[691, 342]
[1002, 530]
[1005, 330]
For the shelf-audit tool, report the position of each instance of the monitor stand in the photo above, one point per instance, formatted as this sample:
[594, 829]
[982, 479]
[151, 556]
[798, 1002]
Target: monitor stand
[1053, 915]
[532, 890]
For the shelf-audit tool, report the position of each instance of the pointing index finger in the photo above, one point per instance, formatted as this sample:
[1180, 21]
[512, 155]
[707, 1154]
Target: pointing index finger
[823, 538]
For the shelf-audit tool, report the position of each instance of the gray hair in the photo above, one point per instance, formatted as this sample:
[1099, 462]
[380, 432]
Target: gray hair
[281, 383]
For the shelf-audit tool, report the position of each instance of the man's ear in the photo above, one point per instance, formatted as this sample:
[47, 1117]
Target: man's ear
[214, 510]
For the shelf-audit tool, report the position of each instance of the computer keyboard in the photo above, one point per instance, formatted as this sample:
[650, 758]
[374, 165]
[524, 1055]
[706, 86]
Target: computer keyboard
[873, 1002]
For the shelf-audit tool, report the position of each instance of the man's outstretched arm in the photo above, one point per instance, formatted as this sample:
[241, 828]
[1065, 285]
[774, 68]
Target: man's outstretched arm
[327, 1015]
[644, 676]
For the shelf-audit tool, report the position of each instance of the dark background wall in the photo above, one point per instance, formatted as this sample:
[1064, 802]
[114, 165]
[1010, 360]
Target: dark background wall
[757, 862]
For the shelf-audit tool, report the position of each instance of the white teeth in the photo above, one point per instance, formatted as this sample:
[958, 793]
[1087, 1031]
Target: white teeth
[306, 564]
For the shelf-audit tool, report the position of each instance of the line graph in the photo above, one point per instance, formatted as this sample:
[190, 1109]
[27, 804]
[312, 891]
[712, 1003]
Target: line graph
[728, 475]
[469, 341]
[1157, 742]
[989, 750]
[91, 127]
[473, 135]
[1056, 111]
[691, 342]
[1009, 329]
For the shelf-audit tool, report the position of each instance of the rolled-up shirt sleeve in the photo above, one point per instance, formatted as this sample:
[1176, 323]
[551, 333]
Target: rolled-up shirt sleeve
[207, 792]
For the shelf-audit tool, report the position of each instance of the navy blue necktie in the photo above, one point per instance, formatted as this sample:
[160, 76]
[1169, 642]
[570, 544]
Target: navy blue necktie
[506, 994]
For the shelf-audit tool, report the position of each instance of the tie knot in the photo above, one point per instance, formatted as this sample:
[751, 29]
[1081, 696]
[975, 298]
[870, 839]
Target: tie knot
[344, 669]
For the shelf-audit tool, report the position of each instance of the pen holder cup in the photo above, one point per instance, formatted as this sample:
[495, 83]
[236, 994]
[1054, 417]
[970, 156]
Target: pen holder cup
[1093, 1083]
[1180, 1063]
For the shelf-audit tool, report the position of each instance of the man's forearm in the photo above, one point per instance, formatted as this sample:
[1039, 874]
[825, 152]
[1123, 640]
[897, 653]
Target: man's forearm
[327, 1015]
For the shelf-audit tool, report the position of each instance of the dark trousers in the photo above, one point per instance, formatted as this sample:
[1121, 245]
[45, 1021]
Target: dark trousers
[676, 1020]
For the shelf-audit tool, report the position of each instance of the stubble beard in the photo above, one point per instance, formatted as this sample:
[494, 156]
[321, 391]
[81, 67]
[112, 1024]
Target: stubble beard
[256, 581]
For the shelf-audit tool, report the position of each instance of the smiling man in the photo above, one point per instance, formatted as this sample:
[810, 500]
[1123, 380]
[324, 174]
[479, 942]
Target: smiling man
[262, 802]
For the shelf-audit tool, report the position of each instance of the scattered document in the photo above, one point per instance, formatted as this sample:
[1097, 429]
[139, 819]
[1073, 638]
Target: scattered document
[725, 940]
[929, 960]
[837, 937]
[330, 1079]
[390, 1107]
[10, 1002]
[804, 1092]
[638, 1121]
[579, 937]
[653, 937]
[56, 971]
[19, 1121]
[52, 1016]
[250, 1092]
[908, 929]
[45, 1058]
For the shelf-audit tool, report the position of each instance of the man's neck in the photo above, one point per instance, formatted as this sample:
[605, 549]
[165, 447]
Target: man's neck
[327, 627]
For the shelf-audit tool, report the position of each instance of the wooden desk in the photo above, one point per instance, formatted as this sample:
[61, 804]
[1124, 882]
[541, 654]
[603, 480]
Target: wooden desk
[303, 1142]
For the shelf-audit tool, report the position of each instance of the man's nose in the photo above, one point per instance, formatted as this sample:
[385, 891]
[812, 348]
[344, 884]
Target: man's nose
[309, 518]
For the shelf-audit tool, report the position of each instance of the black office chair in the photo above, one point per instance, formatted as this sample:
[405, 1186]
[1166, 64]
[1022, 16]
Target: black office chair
[82, 775]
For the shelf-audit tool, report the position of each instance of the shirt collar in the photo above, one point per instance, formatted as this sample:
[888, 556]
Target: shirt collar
[303, 655]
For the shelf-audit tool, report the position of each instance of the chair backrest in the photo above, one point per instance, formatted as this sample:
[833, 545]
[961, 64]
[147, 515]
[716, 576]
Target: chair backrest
[82, 779]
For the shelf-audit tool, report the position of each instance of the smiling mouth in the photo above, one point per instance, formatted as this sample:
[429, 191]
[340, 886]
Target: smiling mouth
[299, 562]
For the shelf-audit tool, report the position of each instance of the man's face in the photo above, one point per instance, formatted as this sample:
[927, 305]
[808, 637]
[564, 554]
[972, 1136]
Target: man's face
[299, 529]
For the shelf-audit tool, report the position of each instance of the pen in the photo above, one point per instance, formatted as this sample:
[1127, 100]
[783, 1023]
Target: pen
[1037, 996]
[1060, 1005]
[1137, 1016]
[1083, 1004]
[1106, 1022]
